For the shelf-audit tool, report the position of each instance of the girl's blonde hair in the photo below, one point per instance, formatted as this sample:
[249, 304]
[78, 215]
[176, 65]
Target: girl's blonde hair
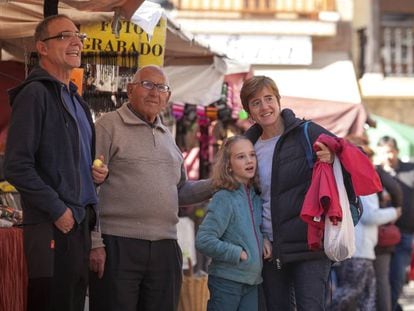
[222, 177]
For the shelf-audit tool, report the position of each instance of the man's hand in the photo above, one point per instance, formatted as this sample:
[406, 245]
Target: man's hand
[97, 258]
[99, 172]
[324, 154]
[65, 222]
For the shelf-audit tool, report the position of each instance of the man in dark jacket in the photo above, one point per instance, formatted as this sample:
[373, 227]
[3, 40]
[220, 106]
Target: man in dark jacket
[49, 156]
[403, 173]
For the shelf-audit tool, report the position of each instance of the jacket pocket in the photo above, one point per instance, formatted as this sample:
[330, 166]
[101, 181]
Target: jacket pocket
[39, 243]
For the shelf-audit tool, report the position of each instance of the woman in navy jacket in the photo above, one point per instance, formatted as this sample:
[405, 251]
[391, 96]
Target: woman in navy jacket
[295, 275]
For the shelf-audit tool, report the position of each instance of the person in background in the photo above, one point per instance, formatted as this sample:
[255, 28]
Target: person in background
[295, 277]
[391, 196]
[230, 232]
[49, 154]
[136, 261]
[403, 173]
[357, 287]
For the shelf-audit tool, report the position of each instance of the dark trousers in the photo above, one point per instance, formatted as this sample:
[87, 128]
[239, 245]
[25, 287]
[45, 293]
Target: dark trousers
[58, 266]
[400, 260]
[227, 295]
[298, 285]
[139, 275]
[382, 275]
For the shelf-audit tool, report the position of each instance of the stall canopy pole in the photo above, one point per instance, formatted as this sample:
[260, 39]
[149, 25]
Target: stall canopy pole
[50, 7]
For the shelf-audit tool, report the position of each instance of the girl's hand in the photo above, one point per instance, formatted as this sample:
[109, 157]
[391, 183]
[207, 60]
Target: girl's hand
[243, 256]
[267, 249]
[324, 154]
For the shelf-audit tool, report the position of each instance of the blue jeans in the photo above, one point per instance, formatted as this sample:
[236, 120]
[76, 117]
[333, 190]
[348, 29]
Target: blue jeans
[298, 285]
[227, 295]
[400, 260]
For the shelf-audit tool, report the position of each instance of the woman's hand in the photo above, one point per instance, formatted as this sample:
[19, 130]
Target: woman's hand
[267, 249]
[324, 154]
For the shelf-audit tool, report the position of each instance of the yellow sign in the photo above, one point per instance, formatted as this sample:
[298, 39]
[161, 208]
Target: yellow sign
[133, 40]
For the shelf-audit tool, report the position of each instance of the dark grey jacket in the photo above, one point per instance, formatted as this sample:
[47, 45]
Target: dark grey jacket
[43, 152]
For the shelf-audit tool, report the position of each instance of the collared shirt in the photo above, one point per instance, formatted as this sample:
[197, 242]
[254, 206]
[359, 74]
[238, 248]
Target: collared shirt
[88, 192]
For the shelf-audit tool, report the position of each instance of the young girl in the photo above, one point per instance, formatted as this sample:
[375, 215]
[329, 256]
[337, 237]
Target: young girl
[230, 233]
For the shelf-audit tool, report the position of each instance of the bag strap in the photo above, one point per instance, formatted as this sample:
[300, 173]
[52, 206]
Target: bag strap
[306, 143]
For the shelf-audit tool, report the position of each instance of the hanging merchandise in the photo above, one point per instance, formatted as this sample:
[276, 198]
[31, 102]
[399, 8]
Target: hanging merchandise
[202, 116]
[211, 112]
[177, 110]
[187, 128]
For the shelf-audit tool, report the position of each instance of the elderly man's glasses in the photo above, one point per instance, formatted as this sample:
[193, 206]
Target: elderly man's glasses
[67, 35]
[149, 85]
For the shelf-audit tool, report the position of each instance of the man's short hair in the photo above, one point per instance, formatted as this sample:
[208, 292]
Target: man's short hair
[41, 31]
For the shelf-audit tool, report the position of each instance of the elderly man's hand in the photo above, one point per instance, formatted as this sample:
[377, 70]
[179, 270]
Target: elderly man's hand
[99, 170]
[324, 154]
[97, 259]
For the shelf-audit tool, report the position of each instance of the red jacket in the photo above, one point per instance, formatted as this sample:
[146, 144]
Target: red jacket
[322, 197]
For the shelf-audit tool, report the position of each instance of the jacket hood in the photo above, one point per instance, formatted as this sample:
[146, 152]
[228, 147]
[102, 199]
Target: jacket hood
[37, 74]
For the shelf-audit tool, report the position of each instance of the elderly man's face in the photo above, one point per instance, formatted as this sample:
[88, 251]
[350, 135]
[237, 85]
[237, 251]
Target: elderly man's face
[148, 102]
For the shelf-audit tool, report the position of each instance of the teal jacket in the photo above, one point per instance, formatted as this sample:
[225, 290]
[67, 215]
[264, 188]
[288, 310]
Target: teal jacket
[232, 224]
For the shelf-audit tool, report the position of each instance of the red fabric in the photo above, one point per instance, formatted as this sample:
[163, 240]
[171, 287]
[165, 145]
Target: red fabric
[321, 200]
[363, 174]
[322, 197]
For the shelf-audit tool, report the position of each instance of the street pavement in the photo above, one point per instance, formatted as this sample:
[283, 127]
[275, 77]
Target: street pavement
[406, 300]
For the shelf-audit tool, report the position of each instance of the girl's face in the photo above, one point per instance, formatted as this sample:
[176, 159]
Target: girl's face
[243, 161]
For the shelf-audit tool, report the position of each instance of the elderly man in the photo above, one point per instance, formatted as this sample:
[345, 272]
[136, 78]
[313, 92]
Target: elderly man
[49, 156]
[137, 259]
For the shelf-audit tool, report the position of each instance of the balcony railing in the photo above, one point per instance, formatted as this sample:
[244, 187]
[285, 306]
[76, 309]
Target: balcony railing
[398, 49]
[300, 7]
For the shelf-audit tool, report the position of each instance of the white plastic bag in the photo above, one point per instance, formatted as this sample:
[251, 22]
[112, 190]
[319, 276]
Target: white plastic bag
[186, 241]
[339, 240]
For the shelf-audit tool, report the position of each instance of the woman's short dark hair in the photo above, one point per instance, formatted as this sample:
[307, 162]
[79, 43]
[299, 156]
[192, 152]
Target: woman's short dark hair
[255, 84]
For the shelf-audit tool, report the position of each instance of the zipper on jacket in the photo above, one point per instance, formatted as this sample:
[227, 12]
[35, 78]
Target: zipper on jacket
[153, 136]
[252, 216]
[78, 136]
[276, 245]
[278, 263]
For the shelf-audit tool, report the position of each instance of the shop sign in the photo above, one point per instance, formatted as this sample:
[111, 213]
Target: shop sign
[132, 40]
[263, 49]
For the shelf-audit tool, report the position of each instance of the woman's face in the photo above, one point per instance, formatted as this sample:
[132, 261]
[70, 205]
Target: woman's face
[264, 107]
